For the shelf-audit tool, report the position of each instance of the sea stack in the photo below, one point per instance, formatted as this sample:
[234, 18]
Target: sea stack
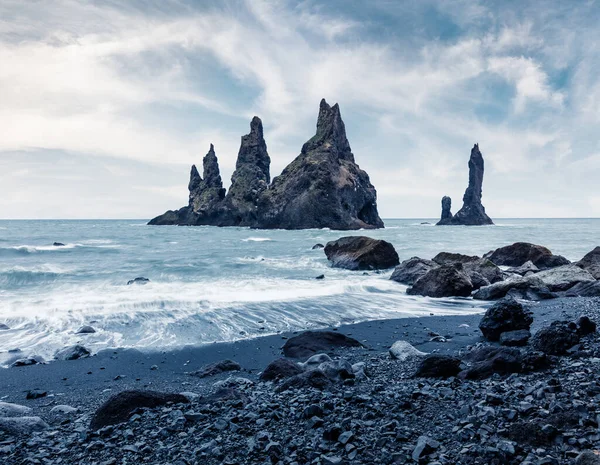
[472, 212]
[322, 188]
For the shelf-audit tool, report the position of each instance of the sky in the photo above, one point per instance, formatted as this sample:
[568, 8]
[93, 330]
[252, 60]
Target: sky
[105, 105]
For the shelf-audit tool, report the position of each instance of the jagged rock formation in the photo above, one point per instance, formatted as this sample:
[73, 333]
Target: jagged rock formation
[322, 188]
[472, 212]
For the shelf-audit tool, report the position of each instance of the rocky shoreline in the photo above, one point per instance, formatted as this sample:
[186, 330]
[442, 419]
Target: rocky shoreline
[357, 405]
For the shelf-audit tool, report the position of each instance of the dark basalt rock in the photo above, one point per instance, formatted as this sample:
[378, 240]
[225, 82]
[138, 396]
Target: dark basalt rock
[591, 263]
[557, 338]
[58, 244]
[86, 329]
[25, 362]
[280, 369]
[119, 407]
[474, 267]
[516, 338]
[312, 342]
[520, 253]
[217, 368]
[585, 289]
[472, 212]
[322, 188]
[438, 366]
[412, 269]
[35, 394]
[444, 281]
[505, 315]
[564, 277]
[139, 280]
[526, 288]
[489, 360]
[524, 269]
[318, 246]
[313, 379]
[448, 258]
[585, 326]
[361, 253]
[72, 353]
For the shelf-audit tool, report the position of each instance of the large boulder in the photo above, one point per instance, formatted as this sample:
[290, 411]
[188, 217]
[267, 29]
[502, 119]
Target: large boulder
[119, 407]
[505, 315]
[361, 253]
[412, 269]
[312, 342]
[448, 258]
[472, 212]
[438, 366]
[444, 281]
[564, 277]
[584, 289]
[516, 338]
[474, 267]
[591, 263]
[526, 288]
[487, 361]
[557, 338]
[280, 369]
[519, 253]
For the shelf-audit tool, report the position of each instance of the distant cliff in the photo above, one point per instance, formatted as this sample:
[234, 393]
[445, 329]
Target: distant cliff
[472, 212]
[322, 188]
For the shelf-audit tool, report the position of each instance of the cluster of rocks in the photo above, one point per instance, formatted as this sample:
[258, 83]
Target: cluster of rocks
[322, 188]
[329, 401]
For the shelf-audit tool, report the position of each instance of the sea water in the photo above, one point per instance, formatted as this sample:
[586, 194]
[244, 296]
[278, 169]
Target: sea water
[212, 284]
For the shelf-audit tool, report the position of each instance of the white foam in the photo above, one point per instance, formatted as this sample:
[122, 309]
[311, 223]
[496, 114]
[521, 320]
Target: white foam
[257, 239]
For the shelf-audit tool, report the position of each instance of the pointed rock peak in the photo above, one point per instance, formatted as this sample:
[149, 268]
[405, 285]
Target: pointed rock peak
[256, 127]
[195, 179]
[211, 149]
[212, 175]
[331, 133]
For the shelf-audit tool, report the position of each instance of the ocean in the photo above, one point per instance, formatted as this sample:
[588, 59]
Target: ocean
[211, 284]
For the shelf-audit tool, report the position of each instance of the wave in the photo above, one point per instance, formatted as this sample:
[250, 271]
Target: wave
[19, 276]
[20, 250]
[257, 239]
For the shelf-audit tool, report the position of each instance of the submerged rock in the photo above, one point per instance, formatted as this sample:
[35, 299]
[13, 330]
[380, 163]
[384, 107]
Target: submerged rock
[119, 407]
[412, 269]
[505, 315]
[472, 212]
[58, 244]
[312, 342]
[444, 281]
[138, 280]
[72, 353]
[86, 329]
[322, 188]
[361, 253]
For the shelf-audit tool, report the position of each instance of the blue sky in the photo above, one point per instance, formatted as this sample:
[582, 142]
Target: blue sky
[105, 106]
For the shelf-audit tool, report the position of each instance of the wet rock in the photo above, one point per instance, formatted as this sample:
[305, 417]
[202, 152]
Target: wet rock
[505, 315]
[311, 342]
[526, 288]
[445, 281]
[22, 425]
[35, 394]
[478, 280]
[13, 410]
[438, 366]
[58, 244]
[313, 378]
[217, 368]
[412, 269]
[3, 327]
[119, 407]
[472, 212]
[138, 280]
[318, 246]
[516, 338]
[280, 369]
[85, 330]
[72, 353]
[519, 253]
[361, 253]
[591, 263]
[557, 338]
[402, 350]
[321, 276]
[449, 258]
[564, 277]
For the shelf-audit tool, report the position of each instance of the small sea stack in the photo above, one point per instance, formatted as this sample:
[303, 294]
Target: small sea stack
[472, 212]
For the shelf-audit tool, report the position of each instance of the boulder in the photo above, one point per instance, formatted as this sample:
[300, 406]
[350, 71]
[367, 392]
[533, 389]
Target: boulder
[438, 366]
[591, 263]
[28, 361]
[564, 277]
[119, 407]
[584, 289]
[472, 212]
[487, 361]
[412, 269]
[519, 253]
[449, 258]
[516, 338]
[216, 368]
[527, 267]
[63, 410]
[58, 244]
[22, 425]
[402, 350]
[585, 326]
[361, 253]
[478, 280]
[526, 288]
[36, 394]
[474, 267]
[505, 315]
[312, 342]
[86, 329]
[72, 353]
[444, 281]
[309, 379]
[138, 280]
[13, 410]
[547, 262]
[280, 369]
[557, 338]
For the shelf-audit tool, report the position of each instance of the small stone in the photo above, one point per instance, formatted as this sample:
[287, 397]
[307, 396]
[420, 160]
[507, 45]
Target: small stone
[36, 394]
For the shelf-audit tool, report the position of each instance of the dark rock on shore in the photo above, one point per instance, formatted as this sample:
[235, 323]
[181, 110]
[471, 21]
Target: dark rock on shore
[312, 342]
[444, 281]
[72, 353]
[119, 407]
[25, 362]
[519, 253]
[35, 394]
[217, 368]
[564, 277]
[472, 212]
[280, 369]
[557, 338]
[361, 253]
[138, 280]
[322, 188]
[516, 338]
[526, 288]
[489, 360]
[591, 263]
[412, 269]
[312, 378]
[505, 315]
[438, 366]
[525, 269]
[585, 326]
[584, 289]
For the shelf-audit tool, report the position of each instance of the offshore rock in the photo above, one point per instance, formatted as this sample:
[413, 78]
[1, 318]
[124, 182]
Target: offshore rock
[472, 212]
[361, 253]
[322, 188]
